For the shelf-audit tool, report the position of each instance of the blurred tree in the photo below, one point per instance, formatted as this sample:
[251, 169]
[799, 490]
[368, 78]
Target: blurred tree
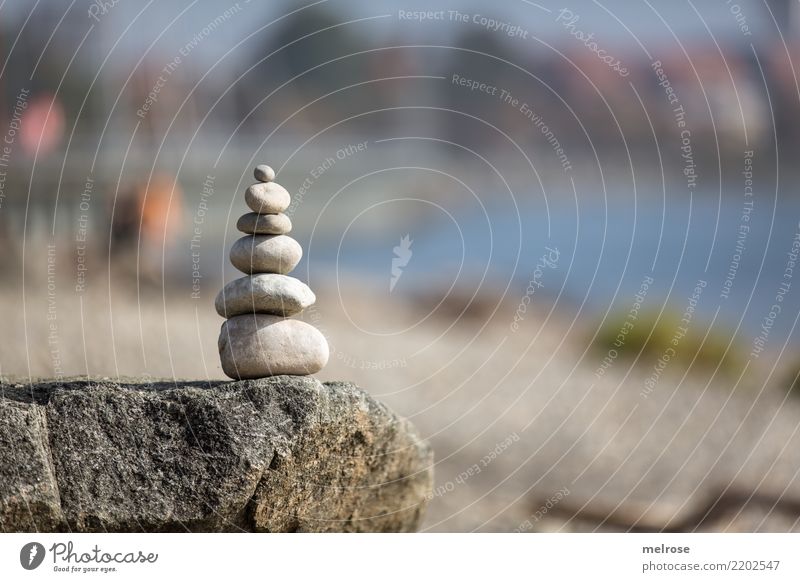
[308, 39]
[478, 55]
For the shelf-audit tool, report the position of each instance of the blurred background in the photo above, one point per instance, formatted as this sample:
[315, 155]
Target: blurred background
[560, 238]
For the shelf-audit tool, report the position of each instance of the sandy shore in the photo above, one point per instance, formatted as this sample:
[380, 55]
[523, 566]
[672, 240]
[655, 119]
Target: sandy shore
[526, 437]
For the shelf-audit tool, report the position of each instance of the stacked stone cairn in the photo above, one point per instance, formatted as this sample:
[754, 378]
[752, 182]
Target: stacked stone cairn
[258, 339]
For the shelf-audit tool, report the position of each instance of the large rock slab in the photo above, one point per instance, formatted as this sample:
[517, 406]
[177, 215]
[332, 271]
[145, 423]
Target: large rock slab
[29, 498]
[278, 454]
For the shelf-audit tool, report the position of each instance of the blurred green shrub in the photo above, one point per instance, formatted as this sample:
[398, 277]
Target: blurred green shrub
[792, 380]
[651, 338]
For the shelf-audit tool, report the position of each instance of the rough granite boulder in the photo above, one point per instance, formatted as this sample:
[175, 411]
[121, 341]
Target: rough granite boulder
[280, 454]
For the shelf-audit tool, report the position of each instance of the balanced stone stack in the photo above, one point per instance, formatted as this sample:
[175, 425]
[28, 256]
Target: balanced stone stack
[258, 339]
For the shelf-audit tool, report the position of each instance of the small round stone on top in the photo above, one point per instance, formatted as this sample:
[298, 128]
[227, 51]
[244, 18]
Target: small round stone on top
[264, 173]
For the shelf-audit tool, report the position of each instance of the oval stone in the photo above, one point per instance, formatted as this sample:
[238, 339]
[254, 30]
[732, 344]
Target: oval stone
[253, 223]
[264, 293]
[266, 253]
[264, 173]
[257, 346]
[267, 198]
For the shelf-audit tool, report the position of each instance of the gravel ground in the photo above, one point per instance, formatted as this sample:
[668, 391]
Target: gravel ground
[526, 437]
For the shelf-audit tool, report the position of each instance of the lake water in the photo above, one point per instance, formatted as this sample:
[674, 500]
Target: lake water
[605, 252]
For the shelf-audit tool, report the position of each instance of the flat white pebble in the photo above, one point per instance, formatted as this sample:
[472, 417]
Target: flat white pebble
[267, 198]
[264, 293]
[264, 173]
[257, 346]
[266, 253]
